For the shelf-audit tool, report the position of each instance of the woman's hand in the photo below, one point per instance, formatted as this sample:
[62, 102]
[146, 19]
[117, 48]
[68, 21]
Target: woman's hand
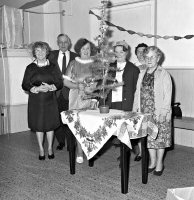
[81, 86]
[51, 87]
[90, 88]
[42, 88]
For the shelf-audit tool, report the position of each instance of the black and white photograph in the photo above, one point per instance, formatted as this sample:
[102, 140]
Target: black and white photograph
[96, 100]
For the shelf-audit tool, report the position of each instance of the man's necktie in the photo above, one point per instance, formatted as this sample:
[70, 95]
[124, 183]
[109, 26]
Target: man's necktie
[64, 64]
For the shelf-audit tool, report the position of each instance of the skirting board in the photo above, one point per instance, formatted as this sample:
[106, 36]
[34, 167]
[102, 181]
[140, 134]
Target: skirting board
[14, 119]
[184, 137]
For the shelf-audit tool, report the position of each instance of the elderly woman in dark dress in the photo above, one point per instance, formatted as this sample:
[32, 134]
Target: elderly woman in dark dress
[41, 80]
[153, 96]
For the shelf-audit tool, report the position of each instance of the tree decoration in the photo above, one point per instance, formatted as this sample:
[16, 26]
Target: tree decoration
[102, 60]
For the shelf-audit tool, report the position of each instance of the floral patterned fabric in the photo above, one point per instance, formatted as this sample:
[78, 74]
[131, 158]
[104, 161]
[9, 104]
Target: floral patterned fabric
[163, 138]
[77, 72]
[93, 129]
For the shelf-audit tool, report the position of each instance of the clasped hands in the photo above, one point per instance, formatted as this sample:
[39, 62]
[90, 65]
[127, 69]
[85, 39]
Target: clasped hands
[87, 88]
[44, 87]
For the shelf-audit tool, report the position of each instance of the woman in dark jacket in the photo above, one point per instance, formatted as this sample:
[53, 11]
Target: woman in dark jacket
[122, 98]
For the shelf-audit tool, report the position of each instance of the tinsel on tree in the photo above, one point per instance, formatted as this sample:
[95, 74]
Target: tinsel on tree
[102, 60]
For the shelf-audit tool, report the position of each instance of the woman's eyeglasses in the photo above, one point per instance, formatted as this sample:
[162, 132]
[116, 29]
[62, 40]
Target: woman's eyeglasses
[150, 58]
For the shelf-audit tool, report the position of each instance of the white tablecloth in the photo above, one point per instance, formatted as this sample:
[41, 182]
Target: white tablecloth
[93, 129]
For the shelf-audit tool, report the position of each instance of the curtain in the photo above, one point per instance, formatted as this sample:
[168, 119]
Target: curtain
[11, 27]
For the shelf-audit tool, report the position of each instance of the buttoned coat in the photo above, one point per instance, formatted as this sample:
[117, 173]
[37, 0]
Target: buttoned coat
[162, 92]
[130, 77]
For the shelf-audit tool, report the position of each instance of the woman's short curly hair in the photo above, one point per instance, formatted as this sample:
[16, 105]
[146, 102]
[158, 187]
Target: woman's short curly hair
[82, 42]
[155, 49]
[42, 45]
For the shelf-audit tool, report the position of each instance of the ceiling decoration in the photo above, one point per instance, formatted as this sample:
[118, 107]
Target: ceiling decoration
[22, 4]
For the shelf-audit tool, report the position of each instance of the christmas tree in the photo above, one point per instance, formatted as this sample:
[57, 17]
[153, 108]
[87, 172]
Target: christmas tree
[102, 62]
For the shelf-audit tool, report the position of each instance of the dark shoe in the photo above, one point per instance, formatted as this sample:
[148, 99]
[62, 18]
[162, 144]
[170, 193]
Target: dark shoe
[60, 146]
[158, 173]
[151, 169]
[41, 157]
[52, 156]
[137, 158]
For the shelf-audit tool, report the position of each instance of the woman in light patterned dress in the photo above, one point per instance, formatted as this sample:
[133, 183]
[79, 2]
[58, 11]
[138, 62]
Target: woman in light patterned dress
[77, 71]
[153, 96]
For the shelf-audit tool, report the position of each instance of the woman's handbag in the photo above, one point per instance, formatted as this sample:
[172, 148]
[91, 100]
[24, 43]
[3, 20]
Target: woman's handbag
[176, 110]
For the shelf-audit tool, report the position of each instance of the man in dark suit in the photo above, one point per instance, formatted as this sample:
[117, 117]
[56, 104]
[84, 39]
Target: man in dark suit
[61, 58]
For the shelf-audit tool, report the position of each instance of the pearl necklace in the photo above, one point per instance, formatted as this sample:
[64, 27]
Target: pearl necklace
[41, 64]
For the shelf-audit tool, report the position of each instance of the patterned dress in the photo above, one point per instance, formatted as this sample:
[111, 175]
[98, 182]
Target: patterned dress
[77, 72]
[163, 139]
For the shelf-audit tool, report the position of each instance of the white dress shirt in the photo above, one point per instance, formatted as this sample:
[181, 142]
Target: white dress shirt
[117, 94]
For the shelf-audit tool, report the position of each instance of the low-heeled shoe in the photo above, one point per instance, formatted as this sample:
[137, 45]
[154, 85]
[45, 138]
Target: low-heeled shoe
[41, 157]
[137, 158]
[151, 169]
[159, 173]
[52, 156]
[79, 159]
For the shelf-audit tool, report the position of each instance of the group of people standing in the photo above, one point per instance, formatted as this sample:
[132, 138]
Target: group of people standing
[55, 83]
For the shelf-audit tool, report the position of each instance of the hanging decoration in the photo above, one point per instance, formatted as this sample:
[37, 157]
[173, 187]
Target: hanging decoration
[142, 34]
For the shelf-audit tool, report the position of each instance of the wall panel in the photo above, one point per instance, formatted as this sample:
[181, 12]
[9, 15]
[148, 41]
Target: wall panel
[184, 84]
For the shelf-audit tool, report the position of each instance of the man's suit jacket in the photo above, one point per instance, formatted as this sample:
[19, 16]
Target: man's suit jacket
[53, 58]
[130, 77]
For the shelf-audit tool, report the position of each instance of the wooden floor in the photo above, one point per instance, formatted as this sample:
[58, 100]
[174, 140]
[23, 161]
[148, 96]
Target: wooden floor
[24, 177]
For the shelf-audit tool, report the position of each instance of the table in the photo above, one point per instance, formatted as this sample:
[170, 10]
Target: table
[93, 129]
